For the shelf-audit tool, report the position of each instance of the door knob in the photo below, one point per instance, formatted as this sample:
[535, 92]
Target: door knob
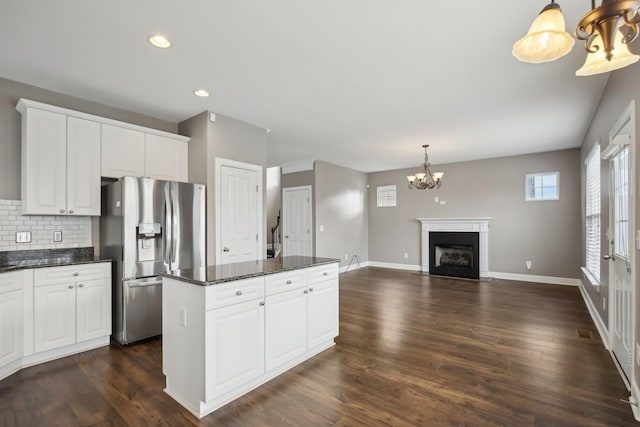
[225, 249]
[607, 257]
[286, 237]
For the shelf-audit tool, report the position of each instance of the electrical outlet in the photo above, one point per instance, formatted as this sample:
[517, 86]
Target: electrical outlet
[183, 316]
[322, 228]
[443, 202]
[528, 264]
[436, 199]
[346, 257]
[23, 237]
[57, 236]
[406, 255]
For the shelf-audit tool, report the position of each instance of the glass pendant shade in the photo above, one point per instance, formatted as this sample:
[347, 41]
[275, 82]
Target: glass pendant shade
[547, 39]
[420, 175]
[596, 62]
[411, 178]
[438, 175]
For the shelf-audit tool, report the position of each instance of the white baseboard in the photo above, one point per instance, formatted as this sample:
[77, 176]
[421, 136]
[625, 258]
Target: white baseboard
[537, 279]
[410, 267]
[597, 320]
[354, 266]
[633, 400]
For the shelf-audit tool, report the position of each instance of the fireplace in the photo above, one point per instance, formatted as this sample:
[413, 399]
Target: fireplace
[478, 226]
[454, 254]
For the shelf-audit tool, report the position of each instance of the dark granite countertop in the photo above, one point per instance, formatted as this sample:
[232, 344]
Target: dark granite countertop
[216, 274]
[39, 258]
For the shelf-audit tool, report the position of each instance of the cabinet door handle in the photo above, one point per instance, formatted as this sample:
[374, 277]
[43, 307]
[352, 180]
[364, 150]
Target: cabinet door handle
[288, 282]
[71, 211]
[306, 291]
[71, 286]
[76, 274]
[261, 302]
[239, 293]
[310, 289]
[61, 210]
[81, 285]
[225, 249]
[325, 274]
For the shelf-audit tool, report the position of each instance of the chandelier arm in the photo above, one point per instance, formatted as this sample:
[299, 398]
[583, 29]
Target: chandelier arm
[589, 46]
[630, 34]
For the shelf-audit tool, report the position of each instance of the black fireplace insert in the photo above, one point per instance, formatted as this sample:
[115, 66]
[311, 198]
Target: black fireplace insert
[454, 254]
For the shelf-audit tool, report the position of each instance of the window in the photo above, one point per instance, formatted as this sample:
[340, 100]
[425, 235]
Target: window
[542, 186]
[592, 213]
[621, 196]
[387, 196]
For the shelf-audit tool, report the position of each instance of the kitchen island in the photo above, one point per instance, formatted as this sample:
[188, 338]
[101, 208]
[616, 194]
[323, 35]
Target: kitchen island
[230, 328]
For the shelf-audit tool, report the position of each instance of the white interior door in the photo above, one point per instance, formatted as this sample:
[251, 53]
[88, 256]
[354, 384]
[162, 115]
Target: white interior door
[297, 221]
[621, 275]
[239, 208]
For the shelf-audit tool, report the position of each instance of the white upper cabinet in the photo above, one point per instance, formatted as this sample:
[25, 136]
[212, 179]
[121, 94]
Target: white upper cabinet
[122, 152]
[60, 164]
[128, 152]
[165, 158]
[83, 167]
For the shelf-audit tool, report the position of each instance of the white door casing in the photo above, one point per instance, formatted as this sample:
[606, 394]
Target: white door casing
[621, 257]
[297, 221]
[238, 211]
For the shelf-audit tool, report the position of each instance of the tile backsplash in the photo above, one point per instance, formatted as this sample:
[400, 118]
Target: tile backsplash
[76, 230]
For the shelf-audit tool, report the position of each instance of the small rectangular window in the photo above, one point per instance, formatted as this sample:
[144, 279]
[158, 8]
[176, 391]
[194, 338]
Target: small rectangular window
[542, 186]
[386, 196]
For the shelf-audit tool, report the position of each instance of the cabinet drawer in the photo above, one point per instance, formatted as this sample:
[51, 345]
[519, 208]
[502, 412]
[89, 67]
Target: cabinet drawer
[10, 282]
[323, 272]
[234, 292]
[70, 273]
[281, 282]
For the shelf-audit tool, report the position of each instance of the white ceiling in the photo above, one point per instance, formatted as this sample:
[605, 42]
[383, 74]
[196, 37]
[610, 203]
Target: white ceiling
[359, 83]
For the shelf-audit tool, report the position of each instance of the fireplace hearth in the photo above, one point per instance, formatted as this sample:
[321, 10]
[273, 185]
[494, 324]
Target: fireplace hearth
[454, 254]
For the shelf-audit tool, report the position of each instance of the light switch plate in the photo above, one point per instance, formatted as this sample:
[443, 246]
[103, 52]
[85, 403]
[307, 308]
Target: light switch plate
[23, 237]
[322, 228]
[57, 236]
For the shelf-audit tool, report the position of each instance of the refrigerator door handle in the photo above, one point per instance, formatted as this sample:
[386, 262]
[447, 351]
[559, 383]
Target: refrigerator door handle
[175, 238]
[168, 235]
[143, 284]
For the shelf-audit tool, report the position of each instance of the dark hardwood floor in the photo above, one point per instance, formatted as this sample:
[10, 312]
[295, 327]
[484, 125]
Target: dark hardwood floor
[413, 350]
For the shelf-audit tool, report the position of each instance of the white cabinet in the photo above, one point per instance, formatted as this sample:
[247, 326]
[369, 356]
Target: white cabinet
[122, 152]
[11, 318]
[71, 305]
[285, 327]
[60, 163]
[221, 341]
[322, 312]
[54, 316]
[234, 353]
[165, 158]
[128, 152]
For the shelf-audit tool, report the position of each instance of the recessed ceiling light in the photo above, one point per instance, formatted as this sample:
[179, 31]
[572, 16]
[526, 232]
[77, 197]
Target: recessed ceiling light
[159, 41]
[201, 93]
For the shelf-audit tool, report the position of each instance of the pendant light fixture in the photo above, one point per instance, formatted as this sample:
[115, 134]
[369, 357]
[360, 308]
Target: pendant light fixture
[425, 180]
[606, 31]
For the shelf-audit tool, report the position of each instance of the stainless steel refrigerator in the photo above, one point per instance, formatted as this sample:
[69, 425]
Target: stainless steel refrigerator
[148, 227]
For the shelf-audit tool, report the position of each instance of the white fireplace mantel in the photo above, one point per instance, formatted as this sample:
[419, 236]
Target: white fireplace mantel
[479, 225]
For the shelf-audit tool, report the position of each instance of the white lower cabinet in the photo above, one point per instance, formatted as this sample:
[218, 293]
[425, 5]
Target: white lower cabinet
[234, 347]
[285, 327]
[52, 312]
[71, 305]
[221, 341]
[11, 318]
[54, 309]
[322, 312]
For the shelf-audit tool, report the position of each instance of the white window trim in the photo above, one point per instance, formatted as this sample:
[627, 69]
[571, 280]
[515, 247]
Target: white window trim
[380, 188]
[594, 153]
[526, 188]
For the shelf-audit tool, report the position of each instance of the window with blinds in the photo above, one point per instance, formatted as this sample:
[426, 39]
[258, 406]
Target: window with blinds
[386, 196]
[592, 212]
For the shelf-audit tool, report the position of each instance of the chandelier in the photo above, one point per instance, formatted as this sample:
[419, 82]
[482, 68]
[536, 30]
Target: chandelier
[606, 31]
[425, 180]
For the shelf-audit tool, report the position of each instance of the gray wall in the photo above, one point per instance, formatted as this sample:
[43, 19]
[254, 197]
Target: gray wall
[274, 199]
[547, 233]
[229, 139]
[11, 92]
[620, 90]
[341, 207]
